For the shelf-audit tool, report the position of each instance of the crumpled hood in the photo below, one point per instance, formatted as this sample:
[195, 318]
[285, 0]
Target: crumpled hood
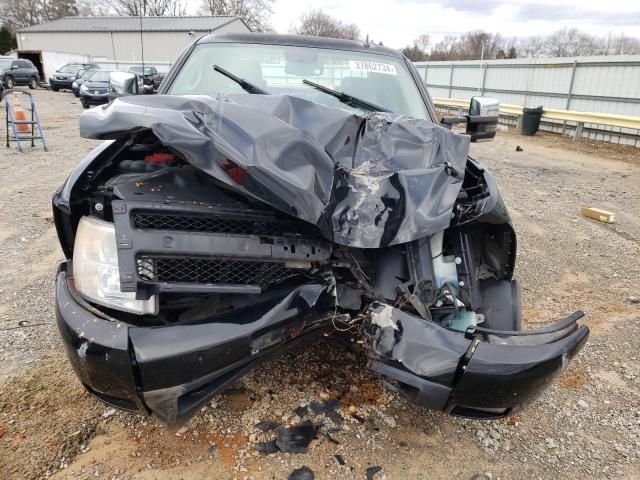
[366, 182]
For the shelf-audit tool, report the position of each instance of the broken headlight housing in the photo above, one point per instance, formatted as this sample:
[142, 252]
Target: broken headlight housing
[95, 269]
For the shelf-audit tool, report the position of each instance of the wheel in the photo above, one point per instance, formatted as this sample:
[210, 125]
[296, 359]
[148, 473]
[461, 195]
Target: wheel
[33, 83]
[84, 103]
[10, 82]
[54, 88]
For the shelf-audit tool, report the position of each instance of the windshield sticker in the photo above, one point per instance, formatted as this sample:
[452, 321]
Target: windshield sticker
[376, 67]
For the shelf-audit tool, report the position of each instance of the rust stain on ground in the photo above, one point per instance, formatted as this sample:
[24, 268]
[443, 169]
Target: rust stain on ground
[367, 393]
[19, 439]
[613, 308]
[228, 446]
[513, 420]
[572, 378]
[238, 400]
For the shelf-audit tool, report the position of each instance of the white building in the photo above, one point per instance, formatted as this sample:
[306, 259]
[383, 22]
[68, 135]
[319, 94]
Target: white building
[123, 39]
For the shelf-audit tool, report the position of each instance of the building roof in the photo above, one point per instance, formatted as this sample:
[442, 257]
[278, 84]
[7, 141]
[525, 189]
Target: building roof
[132, 24]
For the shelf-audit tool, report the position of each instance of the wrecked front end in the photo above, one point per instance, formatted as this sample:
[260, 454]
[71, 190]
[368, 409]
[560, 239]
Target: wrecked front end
[207, 234]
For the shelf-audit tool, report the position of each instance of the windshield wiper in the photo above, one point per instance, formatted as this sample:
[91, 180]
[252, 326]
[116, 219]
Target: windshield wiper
[246, 86]
[346, 98]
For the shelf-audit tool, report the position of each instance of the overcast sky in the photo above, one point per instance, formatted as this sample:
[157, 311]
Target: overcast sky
[397, 22]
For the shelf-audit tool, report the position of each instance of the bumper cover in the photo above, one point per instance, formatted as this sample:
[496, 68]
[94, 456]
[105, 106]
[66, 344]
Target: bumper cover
[94, 99]
[172, 371]
[60, 83]
[480, 373]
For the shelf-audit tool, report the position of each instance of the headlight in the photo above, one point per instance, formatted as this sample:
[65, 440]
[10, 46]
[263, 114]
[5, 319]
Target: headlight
[72, 78]
[84, 88]
[95, 269]
[74, 84]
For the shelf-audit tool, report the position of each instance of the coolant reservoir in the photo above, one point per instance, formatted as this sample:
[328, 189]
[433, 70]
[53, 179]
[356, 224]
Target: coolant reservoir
[465, 319]
[444, 268]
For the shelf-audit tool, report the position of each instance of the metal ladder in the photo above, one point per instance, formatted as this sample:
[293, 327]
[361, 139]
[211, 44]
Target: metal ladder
[12, 124]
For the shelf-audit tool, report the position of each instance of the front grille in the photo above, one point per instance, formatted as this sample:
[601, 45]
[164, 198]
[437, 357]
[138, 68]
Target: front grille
[220, 224]
[213, 271]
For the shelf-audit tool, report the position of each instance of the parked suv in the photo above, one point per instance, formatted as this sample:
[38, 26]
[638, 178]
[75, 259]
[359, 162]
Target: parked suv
[83, 76]
[67, 74]
[95, 90]
[17, 71]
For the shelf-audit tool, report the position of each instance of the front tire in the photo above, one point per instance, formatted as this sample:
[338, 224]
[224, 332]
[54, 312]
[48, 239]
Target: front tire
[54, 88]
[10, 82]
[84, 103]
[33, 83]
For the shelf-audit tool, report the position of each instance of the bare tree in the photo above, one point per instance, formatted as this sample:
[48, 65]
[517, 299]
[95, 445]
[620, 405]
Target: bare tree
[418, 52]
[146, 8]
[446, 49]
[422, 43]
[256, 14]
[22, 13]
[529, 46]
[563, 43]
[470, 46]
[477, 44]
[414, 54]
[571, 42]
[319, 24]
[621, 45]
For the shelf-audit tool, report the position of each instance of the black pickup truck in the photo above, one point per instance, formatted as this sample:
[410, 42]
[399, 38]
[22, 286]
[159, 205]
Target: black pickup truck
[151, 78]
[278, 187]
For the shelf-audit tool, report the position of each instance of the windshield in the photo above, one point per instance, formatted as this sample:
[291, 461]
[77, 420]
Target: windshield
[147, 70]
[99, 76]
[5, 64]
[69, 69]
[278, 69]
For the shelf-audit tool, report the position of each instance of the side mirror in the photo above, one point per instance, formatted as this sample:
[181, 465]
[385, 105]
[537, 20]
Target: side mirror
[122, 84]
[482, 120]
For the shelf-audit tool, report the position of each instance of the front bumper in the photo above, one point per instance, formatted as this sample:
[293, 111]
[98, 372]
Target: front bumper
[171, 371]
[66, 84]
[479, 373]
[94, 99]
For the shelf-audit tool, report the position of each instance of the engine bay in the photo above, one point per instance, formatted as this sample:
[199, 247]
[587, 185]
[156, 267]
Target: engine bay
[189, 241]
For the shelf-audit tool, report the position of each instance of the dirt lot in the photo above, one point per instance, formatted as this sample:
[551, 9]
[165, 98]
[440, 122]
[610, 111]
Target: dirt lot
[587, 425]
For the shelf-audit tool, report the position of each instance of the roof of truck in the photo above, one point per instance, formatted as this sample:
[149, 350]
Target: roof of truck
[301, 41]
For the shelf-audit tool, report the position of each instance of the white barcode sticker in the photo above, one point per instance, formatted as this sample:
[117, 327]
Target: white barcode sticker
[360, 66]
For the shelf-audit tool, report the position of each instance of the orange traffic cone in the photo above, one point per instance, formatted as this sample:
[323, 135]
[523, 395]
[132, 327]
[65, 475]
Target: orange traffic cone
[20, 116]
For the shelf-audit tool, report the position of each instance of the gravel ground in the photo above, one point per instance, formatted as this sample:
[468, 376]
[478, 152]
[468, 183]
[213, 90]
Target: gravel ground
[587, 425]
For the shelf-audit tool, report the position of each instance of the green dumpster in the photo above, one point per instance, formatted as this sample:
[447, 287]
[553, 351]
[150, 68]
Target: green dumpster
[531, 120]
